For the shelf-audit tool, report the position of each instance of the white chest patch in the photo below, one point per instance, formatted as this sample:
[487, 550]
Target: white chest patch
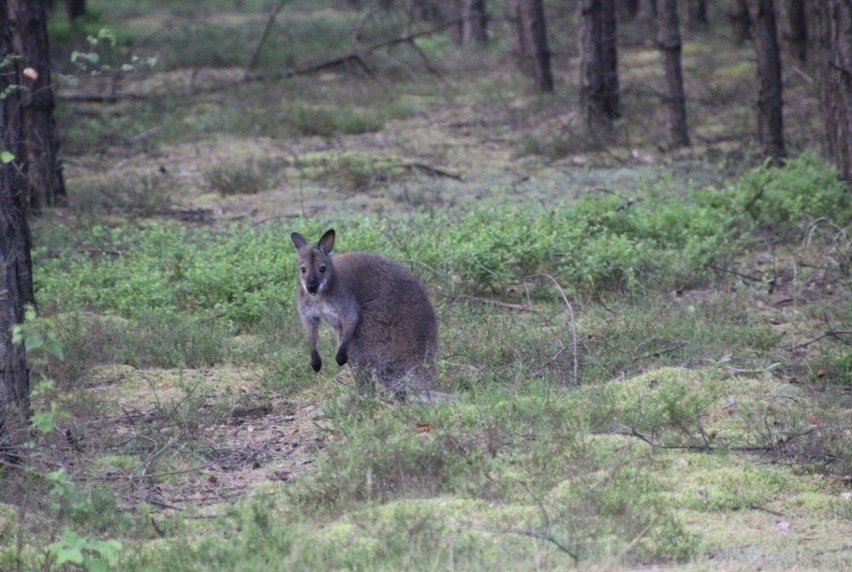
[323, 310]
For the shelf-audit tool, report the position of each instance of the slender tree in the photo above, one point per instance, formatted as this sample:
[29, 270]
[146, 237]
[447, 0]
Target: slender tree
[646, 15]
[76, 9]
[696, 14]
[532, 50]
[668, 40]
[795, 28]
[599, 88]
[474, 23]
[770, 103]
[737, 13]
[16, 289]
[28, 23]
[833, 55]
[627, 10]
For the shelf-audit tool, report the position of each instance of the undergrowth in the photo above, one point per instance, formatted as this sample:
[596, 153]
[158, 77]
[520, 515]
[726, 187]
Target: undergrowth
[592, 247]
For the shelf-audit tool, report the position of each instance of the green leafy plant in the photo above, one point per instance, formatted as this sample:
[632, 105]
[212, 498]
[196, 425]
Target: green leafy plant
[90, 553]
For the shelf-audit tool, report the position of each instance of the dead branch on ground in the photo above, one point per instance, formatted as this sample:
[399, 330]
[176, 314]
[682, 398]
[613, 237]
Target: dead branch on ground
[570, 310]
[270, 21]
[355, 56]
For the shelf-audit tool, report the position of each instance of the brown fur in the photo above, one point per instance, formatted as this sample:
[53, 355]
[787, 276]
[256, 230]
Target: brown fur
[384, 322]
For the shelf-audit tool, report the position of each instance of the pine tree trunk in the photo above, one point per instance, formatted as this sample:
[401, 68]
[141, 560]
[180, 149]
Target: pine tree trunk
[737, 13]
[796, 29]
[474, 23]
[532, 50]
[599, 87]
[770, 104]
[669, 43]
[646, 16]
[76, 8]
[627, 10]
[834, 59]
[28, 24]
[16, 287]
[696, 15]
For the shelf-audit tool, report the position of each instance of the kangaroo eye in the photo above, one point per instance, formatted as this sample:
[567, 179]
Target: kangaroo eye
[303, 269]
[322, 269]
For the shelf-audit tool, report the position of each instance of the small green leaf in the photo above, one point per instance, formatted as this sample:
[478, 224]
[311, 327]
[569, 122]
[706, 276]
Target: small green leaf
[106, 548]
[54, 348]
[97, 566]
[33, 342]
[67, 554]
[43, 421]
[6, 157]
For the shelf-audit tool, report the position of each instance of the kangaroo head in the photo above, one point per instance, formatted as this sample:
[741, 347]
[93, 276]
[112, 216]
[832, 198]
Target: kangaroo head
[315, 267]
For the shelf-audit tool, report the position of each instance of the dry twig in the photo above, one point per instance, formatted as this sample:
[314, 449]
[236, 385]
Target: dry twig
[570, 309]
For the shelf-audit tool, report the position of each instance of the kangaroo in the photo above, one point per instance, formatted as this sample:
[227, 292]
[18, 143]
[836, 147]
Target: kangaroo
[385, 325]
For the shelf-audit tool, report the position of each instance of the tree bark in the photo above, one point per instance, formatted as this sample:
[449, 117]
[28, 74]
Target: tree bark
[16, 288]
[599, 88]
[76, 8]
[696, 15]
[737, 13]
[770, 104]
[627, 10]
[28, 23]
[474, 23]
[668, 40]
[834, 67]
[646, 16]
[530, 42]
[796, 29]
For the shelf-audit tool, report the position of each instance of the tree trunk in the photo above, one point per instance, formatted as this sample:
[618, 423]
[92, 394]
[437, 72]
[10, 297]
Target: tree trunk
[646, 16]
[834, 66]
[770, 105]
[627, 10]
[474, 23]
[737, 13]
[599, 89]
[796, 29]
[28, 24]
[669, 43]
[16, 287]
[76, 8]
[696, 15]
[530, 42]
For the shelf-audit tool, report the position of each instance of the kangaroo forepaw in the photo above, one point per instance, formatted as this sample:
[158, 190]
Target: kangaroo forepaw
[341, 357]
[316, 362]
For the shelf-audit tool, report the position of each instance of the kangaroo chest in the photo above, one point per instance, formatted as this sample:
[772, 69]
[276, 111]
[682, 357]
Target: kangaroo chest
[331, 313]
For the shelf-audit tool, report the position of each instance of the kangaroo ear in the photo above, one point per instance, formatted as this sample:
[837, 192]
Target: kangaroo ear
[298, 239]
[326, 243]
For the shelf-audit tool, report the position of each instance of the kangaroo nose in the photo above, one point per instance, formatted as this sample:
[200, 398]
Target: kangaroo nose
[312, 286]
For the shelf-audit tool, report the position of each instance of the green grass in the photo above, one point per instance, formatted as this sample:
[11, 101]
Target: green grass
[592, 247]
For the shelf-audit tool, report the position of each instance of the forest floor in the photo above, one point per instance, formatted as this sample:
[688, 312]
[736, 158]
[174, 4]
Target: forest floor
[713, 424]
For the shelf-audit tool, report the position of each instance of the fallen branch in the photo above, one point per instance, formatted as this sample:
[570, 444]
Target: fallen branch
[263, 37]
[539, 535]
[674, 346]
[826, 334]
[432, 170]
[631, 432]
[499, 304]
[573, 326]
[355, 56]
[735, 273]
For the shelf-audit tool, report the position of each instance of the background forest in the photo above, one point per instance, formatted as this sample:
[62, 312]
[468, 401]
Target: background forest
[632, 218]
